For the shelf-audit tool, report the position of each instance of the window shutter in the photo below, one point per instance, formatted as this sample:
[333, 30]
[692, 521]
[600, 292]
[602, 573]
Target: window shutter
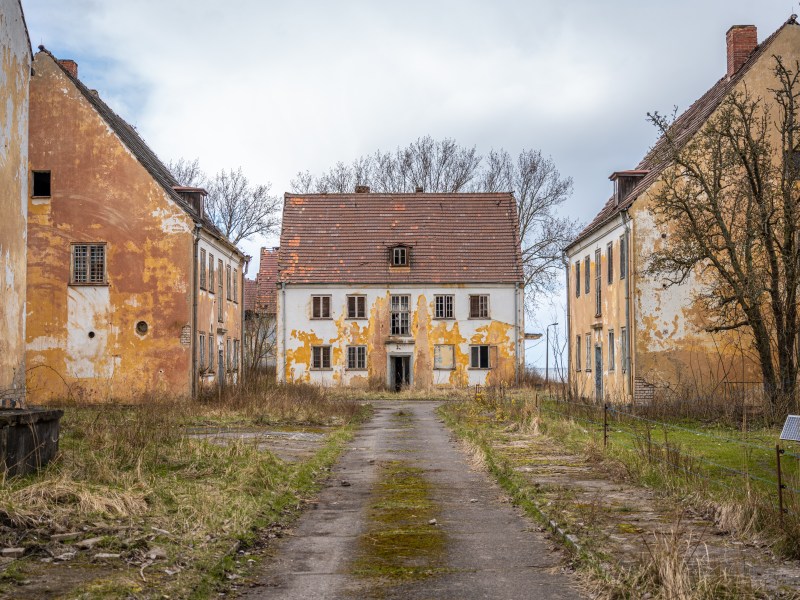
[493, 357]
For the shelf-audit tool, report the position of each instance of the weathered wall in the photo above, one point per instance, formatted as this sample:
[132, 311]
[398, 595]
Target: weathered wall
[82, 339]
[672, 349]
[301, 333]
[14, 77]
[584, 320]
[216, 332]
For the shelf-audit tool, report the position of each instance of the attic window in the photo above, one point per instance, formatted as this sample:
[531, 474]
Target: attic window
[399, 256]
[41, 184]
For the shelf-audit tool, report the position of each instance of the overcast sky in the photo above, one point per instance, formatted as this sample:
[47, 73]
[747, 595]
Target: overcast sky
[279, 87]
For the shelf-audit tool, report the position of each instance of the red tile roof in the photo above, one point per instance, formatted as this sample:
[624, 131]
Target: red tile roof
[250, 294]
[453, 238]
[682, 131]
[268, 279]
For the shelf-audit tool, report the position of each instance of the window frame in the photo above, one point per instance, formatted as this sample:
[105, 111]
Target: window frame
[211, 279]
[587, 275]
[212, 353]
[220, 282]
[236, 347]
[578, 281]
[610, 261]
[356, 358]
[235, 286]
[203, 282]
[320, 298]
[324, 352]
[491, 357]
[88, 258]
[400, 251]
[612, 352]
[357, 315]
[623, 256]
[403, 314]
[578, 339]
[479, 314]
[588, 350]
[228, 282]
[598, 299]
[202, 350]
[34, 173]
[229, 356]
[444, 298]
[624, 348]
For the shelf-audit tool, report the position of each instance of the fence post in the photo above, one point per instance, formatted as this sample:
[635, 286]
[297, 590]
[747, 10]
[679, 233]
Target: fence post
[605, 426]
[781, 486]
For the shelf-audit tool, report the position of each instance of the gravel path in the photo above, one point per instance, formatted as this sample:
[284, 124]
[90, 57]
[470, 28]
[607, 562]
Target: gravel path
[488, 548]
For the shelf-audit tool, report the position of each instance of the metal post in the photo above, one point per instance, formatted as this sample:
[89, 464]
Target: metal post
[605, 426]
[781, 486]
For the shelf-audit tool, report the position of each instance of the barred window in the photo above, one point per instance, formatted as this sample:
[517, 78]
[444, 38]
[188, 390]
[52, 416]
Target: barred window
[479, 307]
[320, 357]
[357, 358]
[202, 269]
[443, 307]
[88, 263]
[399, 315]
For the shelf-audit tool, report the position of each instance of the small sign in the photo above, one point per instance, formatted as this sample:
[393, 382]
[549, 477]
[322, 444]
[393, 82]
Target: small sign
[791, 429]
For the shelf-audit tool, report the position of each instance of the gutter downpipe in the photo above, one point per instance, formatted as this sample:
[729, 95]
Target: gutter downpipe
[569, 331]
[283, 329]
[626, 224]
[197, 228]
[242, 333]
[516, 334]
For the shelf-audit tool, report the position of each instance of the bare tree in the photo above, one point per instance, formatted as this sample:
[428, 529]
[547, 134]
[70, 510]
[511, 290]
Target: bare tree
[731, 204]
[237, 207]
[445, 166]
[260, 340]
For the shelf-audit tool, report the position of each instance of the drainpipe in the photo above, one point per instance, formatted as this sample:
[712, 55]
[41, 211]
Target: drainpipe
[243, 266]
[516, 333]
[626, 223]
[283, 327]
[569, 331]
[197, 228]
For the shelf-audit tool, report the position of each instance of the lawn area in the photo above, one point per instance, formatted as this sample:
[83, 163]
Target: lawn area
[136, 504]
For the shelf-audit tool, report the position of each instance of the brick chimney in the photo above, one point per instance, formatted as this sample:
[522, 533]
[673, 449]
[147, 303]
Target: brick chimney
[70, 66]
[742, 40]
[362, 189]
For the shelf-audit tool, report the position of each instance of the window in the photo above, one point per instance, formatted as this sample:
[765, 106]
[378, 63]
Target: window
[228, 281]
[202, 351]
[211, 273]
[357, 358]
[578, 352]
[578, 279]
[588, 352]
[479, 307]
[399, 315]
[320, 357]
[482, 357]
[610, 261]
[399, 256]
[320, 307]
[235, 355]
[41, 184]
[235, 286]
[444, 357]
[597, 298]
[623, 257]
[624, 348]
[587, 276]
[202, 269]
[611, 350]
[229, 364]
[88, 263]
[356, 307]
[443, 307]
[211, 368]
[220, 307]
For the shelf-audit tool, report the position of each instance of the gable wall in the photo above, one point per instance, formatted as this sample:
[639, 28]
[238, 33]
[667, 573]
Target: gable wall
[101, 193]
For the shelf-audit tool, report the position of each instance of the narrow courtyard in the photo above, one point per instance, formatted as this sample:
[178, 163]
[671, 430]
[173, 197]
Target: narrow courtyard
[405, 515]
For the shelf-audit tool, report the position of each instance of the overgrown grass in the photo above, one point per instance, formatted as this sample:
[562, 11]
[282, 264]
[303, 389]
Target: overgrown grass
[136, 478]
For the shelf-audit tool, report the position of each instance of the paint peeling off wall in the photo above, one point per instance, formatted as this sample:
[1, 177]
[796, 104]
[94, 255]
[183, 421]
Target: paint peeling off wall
[14, 77]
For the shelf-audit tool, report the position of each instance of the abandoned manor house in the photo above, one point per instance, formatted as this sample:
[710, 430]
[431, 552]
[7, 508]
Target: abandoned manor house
[631, 335]
[400, 290]
[16, 71]
[131, 289]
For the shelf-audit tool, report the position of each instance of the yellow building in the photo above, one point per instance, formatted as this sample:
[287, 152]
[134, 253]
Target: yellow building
[131, 289]
[632, 336]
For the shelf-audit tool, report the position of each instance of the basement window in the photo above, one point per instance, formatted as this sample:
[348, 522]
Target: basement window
[88, 264]
[41, 184]
[320, 357]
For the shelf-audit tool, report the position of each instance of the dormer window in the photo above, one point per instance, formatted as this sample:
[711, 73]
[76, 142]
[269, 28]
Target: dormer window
[399, 256]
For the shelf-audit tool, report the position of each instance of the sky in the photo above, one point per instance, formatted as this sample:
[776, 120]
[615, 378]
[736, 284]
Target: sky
[281, 87]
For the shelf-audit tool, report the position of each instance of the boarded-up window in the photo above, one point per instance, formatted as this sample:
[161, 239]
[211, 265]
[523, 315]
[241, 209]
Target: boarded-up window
[320, 307]
[202, 269]
[444, 356]
[443, 307]
[88, 263]
[320, 357]
[356, 307]
[483, 357]
[399, 315]
[357, 358]
[479, 306]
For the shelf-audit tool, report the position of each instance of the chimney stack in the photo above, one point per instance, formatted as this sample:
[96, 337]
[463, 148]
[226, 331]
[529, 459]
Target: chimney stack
[362, 189]
[742, 40]
[70, 66]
